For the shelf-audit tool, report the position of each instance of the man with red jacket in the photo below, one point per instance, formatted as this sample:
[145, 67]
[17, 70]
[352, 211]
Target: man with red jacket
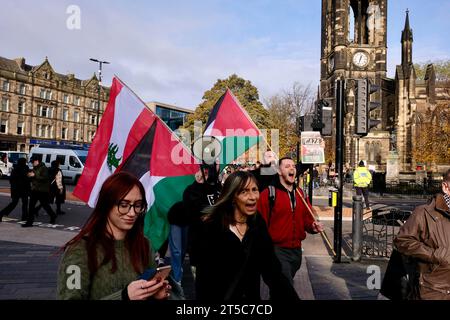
[287, 218]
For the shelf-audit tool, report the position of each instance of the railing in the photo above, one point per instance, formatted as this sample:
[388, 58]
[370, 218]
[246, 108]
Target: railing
[379, 231]
[427, 187]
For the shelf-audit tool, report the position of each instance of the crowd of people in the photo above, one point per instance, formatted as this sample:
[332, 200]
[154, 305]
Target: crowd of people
[234, 232]
[240, 226]
[37, 185]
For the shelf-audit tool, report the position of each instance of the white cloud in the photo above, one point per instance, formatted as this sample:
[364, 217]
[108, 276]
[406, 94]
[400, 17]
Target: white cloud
[154, 56]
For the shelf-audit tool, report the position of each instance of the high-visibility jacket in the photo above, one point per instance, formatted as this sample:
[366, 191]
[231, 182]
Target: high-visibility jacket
[361, 177]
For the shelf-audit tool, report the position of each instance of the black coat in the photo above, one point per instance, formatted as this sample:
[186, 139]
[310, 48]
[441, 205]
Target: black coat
[197, 197]
[220, 255]
[265, 175]
[20, 183]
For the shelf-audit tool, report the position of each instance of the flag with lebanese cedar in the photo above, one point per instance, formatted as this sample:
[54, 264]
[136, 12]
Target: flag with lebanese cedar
[132, 138]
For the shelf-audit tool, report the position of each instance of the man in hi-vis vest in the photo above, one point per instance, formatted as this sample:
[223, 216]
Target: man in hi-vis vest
[361, 181]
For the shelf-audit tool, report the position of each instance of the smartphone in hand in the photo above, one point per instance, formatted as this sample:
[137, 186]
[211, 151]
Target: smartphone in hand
[160, 272]
[148, 274]
[163, 272]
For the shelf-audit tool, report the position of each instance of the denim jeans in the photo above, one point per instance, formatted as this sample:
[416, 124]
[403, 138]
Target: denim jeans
[177, 247]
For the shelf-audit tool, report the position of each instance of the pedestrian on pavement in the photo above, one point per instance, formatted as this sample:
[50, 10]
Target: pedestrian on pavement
[40, 191]
[425, 238]
[287, 217]
[234, 248]
[315, 177]
[361, 180]
[111, 252]
[57, 186]
[20, 189]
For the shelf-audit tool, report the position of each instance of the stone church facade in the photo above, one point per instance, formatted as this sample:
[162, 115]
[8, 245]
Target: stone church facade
[354, 46]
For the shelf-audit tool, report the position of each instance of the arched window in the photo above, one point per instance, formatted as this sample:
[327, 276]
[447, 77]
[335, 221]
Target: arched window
[360, 15]
[351, 24]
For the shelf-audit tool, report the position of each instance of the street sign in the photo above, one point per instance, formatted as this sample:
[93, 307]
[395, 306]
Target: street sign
[312, 147]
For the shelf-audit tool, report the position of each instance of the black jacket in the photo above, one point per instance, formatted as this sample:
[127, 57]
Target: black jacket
[220, 256]
[197, 197]
[20, 183]
[265, 175]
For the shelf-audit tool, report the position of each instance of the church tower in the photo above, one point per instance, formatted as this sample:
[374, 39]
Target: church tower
[405, 104]
[354, 46]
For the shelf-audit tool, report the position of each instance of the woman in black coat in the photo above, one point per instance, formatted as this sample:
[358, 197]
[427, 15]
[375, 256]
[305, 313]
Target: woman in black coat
[234, 249]
[20, 189]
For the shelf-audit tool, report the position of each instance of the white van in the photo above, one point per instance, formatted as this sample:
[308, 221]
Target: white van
[8, 159]
[71, 159]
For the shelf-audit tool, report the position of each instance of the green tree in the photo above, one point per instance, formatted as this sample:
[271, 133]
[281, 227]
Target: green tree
[245, 92]
[433, 138]
[441, 67]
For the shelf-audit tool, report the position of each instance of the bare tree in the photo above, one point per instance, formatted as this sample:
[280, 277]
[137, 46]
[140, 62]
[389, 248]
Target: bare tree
[284, 108]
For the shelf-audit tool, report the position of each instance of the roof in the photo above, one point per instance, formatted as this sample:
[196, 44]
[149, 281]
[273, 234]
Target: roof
[19, 66]
[13, 66]
[153, 104]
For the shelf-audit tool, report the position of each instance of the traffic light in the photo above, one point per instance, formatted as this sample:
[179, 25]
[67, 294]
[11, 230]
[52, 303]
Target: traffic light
[326, 114]
[304, 123]
[317, 124]
[323, 120]
[299, 125]
[363, 123]
[308, 120]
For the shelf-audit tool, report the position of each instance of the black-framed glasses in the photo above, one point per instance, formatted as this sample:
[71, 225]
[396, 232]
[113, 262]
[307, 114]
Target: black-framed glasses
[124, 207]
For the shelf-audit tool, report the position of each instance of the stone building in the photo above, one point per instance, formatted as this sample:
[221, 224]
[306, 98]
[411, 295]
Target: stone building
[354, 46]
[38, 105]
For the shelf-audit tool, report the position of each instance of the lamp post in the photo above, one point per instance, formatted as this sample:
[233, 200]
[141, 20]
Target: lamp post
[99, 86]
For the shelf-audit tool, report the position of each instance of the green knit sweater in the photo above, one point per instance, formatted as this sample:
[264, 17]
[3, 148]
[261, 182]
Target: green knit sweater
[74, 285]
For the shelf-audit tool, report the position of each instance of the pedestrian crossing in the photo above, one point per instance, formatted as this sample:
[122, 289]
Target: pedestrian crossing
[44, 225]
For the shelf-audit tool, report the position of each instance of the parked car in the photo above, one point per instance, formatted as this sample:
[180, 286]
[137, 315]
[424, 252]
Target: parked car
[71, 159]
[8, 159]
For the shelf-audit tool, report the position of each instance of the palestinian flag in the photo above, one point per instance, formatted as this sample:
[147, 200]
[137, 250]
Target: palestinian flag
[132, 138]
[233, 127]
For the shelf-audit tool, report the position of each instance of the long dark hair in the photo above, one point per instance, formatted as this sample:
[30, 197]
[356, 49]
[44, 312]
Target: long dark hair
[223, 209]
[97, 235]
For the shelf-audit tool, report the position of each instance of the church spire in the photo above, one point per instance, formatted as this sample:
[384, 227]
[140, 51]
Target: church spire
[407, 46]
[407, 34]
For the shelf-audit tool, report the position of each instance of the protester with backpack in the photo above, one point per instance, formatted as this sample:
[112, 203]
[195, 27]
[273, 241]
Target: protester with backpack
[287, 217]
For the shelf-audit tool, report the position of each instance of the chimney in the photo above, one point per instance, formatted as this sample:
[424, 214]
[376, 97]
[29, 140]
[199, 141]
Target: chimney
[20, 62]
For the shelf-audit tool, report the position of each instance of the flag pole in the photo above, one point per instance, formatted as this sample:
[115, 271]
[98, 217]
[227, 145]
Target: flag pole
[310, 210]
[157, 117]
[322, 233]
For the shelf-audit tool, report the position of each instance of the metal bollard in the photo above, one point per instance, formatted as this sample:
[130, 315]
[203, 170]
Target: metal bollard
[357, 229]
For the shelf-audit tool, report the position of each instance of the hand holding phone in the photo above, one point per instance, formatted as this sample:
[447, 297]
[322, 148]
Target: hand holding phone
[160, 272]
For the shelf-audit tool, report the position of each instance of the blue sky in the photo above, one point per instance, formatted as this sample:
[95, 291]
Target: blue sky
[172, 51]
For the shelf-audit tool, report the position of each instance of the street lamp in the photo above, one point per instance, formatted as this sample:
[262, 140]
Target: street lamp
[99, 85]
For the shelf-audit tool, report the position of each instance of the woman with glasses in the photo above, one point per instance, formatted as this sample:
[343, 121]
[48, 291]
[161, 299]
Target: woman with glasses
[234, 249]
[105, 259]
